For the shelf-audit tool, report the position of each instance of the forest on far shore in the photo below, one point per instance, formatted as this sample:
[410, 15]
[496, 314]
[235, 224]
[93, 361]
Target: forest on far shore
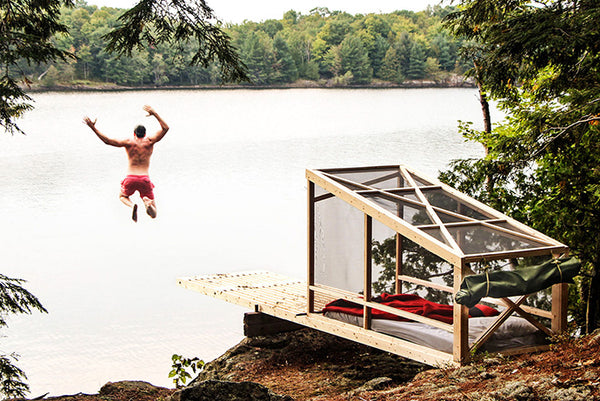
[324, 46]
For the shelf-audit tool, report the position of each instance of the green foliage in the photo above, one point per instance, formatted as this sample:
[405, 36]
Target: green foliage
[416, 262]
[355, 59]
[12, 379]
[179, 371]
[158, 49]
[174, 23]
[25, 35]
[14, 299]
[542, 64]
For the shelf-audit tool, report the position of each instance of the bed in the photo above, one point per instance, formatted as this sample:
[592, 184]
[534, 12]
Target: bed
[515, 332]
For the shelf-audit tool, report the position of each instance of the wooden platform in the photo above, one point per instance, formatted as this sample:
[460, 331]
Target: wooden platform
[286, 298]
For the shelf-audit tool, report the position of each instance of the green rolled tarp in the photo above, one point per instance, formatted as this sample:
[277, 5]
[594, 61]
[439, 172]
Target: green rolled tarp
[522, 281]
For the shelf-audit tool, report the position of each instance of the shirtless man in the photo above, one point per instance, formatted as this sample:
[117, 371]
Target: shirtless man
[139, 149]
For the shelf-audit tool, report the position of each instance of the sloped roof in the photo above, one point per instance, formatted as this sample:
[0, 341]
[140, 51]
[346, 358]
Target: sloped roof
[449, 223]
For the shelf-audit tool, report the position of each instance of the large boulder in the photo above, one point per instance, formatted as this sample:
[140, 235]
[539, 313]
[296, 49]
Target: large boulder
[218, 390]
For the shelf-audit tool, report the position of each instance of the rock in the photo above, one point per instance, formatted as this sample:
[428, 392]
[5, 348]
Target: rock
[131, 388]
[378, 383]
[518, 391]
[578, 393]
[217, 390]
[594, 338]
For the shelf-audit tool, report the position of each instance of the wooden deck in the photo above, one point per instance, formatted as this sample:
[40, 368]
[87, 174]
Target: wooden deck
[286, 298]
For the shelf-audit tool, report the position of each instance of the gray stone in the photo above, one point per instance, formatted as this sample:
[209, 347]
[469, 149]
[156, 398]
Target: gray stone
[378, 383]
[216, 390]
[578, 393]
[517, 391]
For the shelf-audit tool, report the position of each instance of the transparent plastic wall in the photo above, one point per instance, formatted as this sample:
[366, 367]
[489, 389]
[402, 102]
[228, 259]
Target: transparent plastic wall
[339, 245]
[383, 259]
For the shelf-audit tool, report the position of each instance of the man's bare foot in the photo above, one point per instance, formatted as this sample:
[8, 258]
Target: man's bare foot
[134, 214]
[150, 207]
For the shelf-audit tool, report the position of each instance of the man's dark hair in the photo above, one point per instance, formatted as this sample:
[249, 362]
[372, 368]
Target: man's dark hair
[140, 131]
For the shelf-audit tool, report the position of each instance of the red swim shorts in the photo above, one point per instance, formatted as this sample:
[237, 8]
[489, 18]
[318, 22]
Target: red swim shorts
[140, 183]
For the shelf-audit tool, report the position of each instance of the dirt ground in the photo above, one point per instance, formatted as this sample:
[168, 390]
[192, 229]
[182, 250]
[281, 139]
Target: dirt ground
[309, 365]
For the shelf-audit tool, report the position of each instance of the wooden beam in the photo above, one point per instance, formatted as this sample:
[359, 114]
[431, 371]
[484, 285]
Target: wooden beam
[497, 323]
[560, 295]
[368, 271]
[460, 321]
[310, 275]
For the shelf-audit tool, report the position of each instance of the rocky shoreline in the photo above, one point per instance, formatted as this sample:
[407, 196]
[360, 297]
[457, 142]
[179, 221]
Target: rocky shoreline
[455, 81]
[310, 365]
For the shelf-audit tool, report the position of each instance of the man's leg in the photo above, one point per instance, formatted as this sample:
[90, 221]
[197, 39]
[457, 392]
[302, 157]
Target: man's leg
[150, 206]
[128, 202]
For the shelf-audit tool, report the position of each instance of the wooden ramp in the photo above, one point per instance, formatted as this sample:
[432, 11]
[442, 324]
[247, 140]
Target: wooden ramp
[286, 298]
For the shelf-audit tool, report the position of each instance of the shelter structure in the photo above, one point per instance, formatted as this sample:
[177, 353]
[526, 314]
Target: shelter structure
[356, 212]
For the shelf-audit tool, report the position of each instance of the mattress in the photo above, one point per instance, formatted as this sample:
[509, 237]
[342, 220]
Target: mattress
[513, 333]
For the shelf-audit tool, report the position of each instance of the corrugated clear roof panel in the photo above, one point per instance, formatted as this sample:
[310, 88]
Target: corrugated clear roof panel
[481, 239]
[412, 214]
[441, 199]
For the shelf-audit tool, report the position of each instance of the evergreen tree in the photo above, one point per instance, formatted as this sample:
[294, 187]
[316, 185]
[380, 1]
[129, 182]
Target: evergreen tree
[355, 59]
[403, 47]
[257, 55]
[377, 53]
[416, 64]
[25, 34]
[390, 67]
[285, 67]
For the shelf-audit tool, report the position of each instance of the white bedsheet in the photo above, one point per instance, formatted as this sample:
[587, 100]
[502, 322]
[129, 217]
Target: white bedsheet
[514, 332]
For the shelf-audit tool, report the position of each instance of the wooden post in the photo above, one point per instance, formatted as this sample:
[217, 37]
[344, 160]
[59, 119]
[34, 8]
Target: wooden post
[310, 275]
[398, 263]
[461, 320]
[398, 286]
[368, 270]
[560, 296]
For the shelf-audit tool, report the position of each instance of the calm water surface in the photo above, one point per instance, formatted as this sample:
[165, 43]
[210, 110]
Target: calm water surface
[230, 191]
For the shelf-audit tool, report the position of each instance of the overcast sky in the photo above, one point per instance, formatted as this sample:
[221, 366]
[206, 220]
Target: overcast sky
[259, 10]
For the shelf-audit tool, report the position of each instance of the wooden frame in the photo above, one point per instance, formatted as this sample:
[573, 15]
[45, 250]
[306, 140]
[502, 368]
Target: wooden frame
[335, 183]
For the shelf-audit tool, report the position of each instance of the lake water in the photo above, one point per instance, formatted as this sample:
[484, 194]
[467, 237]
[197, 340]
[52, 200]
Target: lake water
[231, 195]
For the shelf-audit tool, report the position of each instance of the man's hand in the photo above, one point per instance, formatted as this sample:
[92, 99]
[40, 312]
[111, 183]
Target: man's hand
[149, 110]
[89, 122]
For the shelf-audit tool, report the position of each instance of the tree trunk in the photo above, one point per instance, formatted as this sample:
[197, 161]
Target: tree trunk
[593, 306]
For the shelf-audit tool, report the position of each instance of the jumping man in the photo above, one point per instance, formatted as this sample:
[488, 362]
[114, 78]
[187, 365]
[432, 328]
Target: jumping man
[139, 149]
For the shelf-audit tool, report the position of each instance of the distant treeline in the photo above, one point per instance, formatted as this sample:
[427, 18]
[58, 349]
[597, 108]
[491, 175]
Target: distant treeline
[324, 45]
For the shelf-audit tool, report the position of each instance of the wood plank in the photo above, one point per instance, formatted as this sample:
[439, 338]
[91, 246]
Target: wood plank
[560, 295]
[310, 274]
[368, 270]
[460, 321]
[426, 283]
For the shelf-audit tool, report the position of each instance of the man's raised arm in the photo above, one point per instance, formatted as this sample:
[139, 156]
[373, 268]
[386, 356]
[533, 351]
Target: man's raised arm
[163, 125]
[103, 138]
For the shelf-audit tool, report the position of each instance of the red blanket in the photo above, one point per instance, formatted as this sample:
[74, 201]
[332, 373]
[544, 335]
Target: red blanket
[410, 303]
